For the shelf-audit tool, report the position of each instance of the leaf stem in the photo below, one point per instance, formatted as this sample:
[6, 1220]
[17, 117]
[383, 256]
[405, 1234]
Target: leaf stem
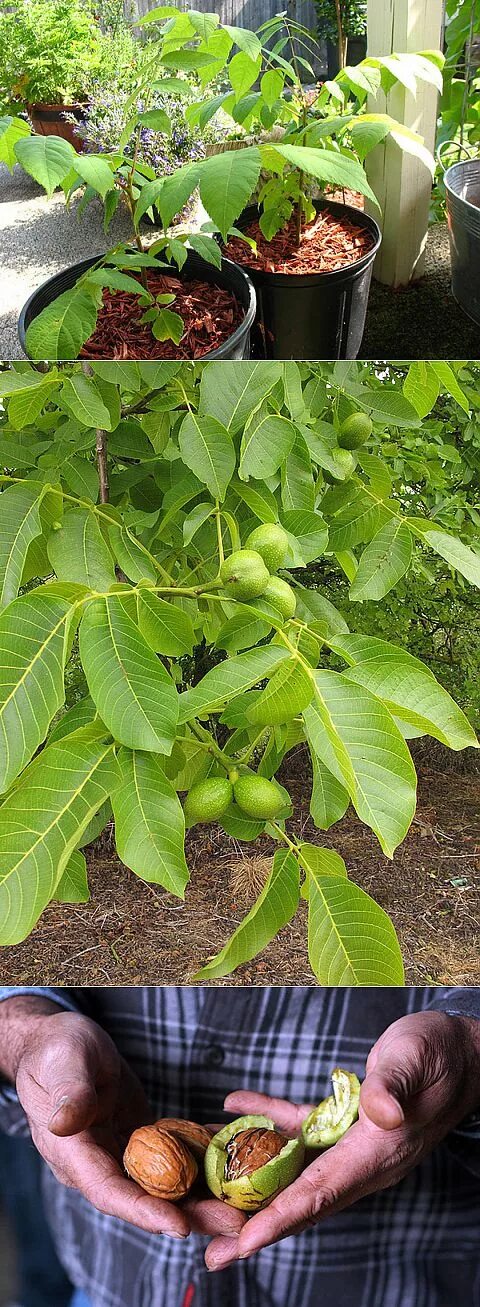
[218, 519]
[207, 739]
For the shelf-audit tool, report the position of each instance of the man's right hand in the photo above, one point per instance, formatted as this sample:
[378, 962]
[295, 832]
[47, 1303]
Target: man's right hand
[82, 1102]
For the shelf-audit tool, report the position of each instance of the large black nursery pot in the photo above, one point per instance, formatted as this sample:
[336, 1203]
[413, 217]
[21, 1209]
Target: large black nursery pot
[230, 277]
[319, 315]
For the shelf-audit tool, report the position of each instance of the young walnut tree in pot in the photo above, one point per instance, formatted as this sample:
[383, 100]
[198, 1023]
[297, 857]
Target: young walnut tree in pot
[150, 509]
[321, 138]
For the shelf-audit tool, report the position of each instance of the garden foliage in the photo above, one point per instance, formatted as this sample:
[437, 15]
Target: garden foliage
[53, 52]
[130, 574]
[324, 137]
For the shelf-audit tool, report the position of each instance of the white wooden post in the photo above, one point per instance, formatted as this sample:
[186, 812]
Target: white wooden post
[401, 182]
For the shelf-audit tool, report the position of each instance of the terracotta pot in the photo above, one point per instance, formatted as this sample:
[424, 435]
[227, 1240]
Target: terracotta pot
[49, 120]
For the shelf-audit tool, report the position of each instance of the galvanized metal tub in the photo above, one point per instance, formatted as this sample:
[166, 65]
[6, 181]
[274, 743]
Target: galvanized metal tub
[462, 183]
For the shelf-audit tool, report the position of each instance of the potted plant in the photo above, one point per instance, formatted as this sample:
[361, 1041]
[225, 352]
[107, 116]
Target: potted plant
[324, 136]
[177, 297]
[313, 259]
[49, 49]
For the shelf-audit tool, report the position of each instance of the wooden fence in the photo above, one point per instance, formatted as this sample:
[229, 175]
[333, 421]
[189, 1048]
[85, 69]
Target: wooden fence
[241, 13]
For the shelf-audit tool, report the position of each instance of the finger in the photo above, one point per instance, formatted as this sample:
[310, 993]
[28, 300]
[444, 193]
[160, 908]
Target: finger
[287, 1116]
[209, 1216]
[221, 1252]
[365, 1160]
[90, 1169]
[74, 1105]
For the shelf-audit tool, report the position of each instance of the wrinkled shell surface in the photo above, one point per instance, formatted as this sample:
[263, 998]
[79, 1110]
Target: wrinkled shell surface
[160, 1163]
[251, 1149]
[196, 1137]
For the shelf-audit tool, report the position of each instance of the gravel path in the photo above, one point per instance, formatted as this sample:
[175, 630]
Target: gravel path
[39, 237]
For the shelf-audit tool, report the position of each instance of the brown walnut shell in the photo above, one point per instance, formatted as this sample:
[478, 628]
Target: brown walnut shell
[250, 1149]
[160, 1163]
[196, 1137]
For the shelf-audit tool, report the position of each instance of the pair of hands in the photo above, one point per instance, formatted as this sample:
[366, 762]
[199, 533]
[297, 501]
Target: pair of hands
[82, 1101]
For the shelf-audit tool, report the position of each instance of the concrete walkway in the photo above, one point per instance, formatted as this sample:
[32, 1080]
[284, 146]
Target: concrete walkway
[39, 237]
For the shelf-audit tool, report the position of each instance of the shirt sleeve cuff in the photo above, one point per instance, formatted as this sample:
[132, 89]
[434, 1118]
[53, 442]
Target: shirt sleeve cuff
[462, 1002]
[63, 997]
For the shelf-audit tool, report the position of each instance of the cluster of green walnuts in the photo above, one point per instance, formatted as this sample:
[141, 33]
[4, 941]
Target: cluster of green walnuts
[247, 574]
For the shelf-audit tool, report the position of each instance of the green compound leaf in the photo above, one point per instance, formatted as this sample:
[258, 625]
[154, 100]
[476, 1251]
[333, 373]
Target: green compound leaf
[20, 523]
[356, 738]
[78, 551]
[167, 629]
[329, 799]
[133, 693]
[274, 908]
[351, 941]
[149, 822]
[383, 563]
[73, 886]
[34, 634]
[229, 679]
[207, 449]
[61, 791]
[288, 692]
[47, 159]
[60, 330]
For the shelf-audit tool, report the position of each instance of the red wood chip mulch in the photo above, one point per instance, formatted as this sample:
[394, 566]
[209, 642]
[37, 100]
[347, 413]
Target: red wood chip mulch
[210, 313]
[327, 243]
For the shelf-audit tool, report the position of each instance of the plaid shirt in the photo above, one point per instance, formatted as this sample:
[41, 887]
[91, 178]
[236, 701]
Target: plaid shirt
[415, 1245]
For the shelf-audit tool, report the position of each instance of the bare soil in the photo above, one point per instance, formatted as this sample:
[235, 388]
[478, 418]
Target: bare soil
[134, 933]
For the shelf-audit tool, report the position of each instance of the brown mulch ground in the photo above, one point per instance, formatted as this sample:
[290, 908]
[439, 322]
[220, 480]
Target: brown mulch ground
[327, 243]
[133, 933]
[210, 315]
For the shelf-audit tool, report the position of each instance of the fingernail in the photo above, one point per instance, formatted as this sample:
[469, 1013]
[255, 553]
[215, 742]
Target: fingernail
[58, 1106]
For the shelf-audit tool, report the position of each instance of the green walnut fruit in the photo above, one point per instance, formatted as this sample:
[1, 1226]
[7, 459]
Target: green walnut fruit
[208, 800]
[355, 431]
[281, 595]
[249, 1162]
[334, 1116]
[259, 797]
[244, 574]
[271, 541]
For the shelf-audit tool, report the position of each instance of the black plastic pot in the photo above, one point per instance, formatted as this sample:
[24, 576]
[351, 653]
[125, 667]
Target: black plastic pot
[230, 276]
[318, 315]
[356, 51]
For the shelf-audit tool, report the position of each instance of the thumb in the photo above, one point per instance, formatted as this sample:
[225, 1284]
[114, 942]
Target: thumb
[73, 1101]
[382, 1098]
[395, 1075]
